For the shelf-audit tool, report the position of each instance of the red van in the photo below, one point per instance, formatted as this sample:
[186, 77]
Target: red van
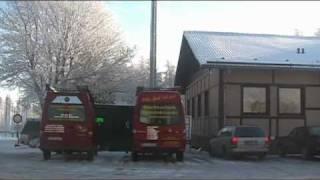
[158, 123]
[68, 123]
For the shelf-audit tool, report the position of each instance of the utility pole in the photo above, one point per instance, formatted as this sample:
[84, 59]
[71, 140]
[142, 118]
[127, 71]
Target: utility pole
[153, 45]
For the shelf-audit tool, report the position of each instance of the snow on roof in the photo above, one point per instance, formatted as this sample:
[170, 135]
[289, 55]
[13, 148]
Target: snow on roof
[260, 49]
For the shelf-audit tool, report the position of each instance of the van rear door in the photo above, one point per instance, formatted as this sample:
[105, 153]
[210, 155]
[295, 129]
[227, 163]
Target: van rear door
[70, 121]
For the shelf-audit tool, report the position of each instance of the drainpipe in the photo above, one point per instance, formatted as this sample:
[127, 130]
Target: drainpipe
[221, 99]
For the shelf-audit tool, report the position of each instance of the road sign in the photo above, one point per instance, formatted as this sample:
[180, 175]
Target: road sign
[17, 118]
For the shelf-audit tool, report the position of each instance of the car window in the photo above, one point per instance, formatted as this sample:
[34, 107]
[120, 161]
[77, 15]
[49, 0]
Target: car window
[300, 132]
[226, 133]
[249, 132]
[293, 132]
[315, 131]
[220, 132]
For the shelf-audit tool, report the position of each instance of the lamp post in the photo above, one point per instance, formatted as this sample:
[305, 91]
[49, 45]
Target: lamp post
[153, 45]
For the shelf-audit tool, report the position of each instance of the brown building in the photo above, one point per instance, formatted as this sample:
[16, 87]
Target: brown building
[270, 81]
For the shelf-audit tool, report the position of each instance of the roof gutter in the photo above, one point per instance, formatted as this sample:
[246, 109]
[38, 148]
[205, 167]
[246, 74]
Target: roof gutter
[243, 65]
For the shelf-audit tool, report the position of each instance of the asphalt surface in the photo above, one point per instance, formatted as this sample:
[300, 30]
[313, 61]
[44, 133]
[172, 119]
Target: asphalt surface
[27, 163]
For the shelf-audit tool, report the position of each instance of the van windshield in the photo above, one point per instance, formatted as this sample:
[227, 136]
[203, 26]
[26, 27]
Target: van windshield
[66, 112]
[249, 132]
[154, 114]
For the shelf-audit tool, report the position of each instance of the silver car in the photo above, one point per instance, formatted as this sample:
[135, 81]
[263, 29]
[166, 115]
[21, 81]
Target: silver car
[239, 140]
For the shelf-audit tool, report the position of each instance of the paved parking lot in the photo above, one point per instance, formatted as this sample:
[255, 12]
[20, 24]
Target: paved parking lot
[27, 163]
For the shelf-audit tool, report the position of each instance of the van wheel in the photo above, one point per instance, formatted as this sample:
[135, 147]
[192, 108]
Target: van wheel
[134, 156]
[90, 155]
[179, 156]
[46, 154]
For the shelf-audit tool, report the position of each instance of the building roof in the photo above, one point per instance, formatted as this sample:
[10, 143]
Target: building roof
[253, 48]
[240, 50]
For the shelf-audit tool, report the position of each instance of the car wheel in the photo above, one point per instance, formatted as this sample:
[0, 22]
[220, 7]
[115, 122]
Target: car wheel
[210, 151]
[226, 154]
[46, 154]
[282, 151]
[34, 143]
[262, 156]
[58, 152]
[306, 154]
[179, 156]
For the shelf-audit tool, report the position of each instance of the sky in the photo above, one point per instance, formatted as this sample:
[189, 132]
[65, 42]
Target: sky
[174, 17]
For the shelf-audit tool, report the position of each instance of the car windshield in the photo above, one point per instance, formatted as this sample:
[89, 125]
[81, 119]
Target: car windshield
[315, 131]
[159, 114]
[249, 132]
[66, 112]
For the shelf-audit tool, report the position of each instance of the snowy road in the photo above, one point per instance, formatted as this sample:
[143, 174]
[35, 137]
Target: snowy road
[27, 163]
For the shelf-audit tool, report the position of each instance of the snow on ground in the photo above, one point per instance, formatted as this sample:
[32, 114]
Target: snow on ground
[26, 163]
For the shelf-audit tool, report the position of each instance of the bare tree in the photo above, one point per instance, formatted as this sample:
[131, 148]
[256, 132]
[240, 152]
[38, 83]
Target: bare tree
[62, 44]
[169, 75]
[7, 113]
[1, 114]
[139, 76]
[317, 33]
[298, 32]
[166, 78]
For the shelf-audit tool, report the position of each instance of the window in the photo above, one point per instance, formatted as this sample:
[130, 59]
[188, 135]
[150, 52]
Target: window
[315, 131]
[290, 101]
[254, 100]
[301, 132]
[192, 107]
[249, 132]
[199, 105]
[226, 132]
[206, 103]
[58, 112]
[293, 132]
[160, 114]
[188, 107]
[221, 132]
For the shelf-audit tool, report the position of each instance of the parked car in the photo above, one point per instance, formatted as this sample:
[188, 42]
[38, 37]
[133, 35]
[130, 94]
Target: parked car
[238, 141]
[30, 133]
[301, 140]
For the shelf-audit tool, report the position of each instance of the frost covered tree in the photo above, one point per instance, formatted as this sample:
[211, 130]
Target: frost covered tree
[139, 76]
[298, 32]
[62, 44]
[7, 112]
[1, 113]
[165, 79]
[169, 75]
[317, 33]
